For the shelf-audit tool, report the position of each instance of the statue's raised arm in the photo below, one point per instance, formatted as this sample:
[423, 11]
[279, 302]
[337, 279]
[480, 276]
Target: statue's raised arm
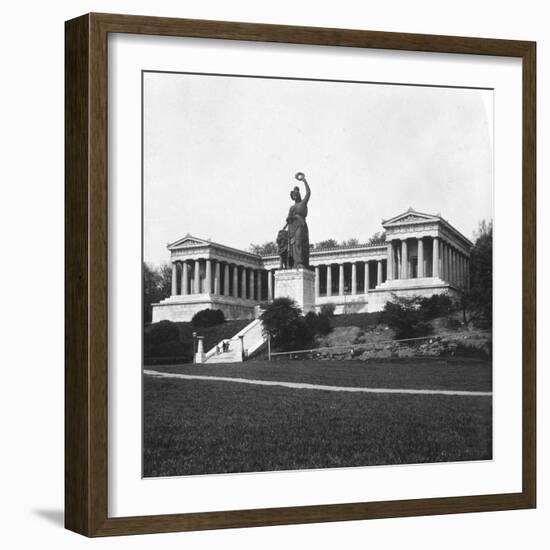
[300, 176]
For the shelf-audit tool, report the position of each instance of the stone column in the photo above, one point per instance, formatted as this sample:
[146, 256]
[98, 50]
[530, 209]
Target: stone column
[420, 257]
[208, 278]
[341, 279]
[251, 284]
[226, 282]
[455, 266]
[317, 281]
[174, 290]
[435, 257]
[389, 268]
[269, 286]
[367, 276]
[259, 286]
[378, 272]
[329, 280]
[354, 278]
[443, 260]
[217, 278]
[243, 283]
[184, 279]
[197, 278]
[235, 281]
[404, 260]
[399, 259]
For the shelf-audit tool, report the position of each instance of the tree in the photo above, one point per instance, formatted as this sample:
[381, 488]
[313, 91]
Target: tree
[478, 298]
[283, 322]
[350, 242]
[208, 318]
[319, 323]
[406, 317]
[157, 285]
[266, 249]
[378, 238]
[327, 243]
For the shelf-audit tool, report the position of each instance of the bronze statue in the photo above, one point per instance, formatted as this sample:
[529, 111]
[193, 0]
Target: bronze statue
[282, 248]
[297, 253]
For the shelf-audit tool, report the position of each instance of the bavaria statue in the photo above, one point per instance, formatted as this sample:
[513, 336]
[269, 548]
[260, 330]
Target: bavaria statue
[293, 239]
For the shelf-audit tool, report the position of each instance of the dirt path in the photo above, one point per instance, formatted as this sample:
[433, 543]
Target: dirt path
[304, 386]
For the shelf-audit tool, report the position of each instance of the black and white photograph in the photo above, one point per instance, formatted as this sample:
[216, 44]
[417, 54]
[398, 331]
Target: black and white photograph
[317, 281]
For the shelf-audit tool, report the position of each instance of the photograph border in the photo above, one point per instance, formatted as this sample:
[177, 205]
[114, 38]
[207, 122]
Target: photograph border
[86, 269]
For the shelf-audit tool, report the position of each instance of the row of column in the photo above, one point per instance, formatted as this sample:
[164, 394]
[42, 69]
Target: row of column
[455, 266]
[237, 281]
[444, 261]
[340, 289]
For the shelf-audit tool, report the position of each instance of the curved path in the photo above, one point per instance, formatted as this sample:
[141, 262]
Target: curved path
[304, 386]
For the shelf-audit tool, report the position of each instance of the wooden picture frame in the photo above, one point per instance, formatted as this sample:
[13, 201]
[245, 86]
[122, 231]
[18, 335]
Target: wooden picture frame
[86, 283]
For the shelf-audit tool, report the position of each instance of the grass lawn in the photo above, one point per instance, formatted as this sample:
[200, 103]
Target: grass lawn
[450, 374]
[201, 427]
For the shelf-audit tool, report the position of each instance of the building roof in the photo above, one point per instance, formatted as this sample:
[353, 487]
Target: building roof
[413, 217]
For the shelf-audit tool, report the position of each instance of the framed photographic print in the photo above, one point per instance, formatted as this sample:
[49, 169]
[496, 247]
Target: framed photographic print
[300, 274]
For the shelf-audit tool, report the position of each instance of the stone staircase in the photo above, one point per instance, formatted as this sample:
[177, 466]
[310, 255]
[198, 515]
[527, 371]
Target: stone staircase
[252, 339]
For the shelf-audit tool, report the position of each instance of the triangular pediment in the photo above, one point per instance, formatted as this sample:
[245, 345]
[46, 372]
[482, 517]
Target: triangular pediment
[410, 216]
[188, 242]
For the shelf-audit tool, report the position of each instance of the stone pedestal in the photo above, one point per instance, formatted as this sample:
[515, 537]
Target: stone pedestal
[199, 355]
[298, 285]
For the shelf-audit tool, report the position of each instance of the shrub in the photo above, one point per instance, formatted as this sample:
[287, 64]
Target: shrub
[283, 322]
[208, 318]
[437, 305]
[451, 323]
[406, 317]
[319, 323]
[160, 333]
[163, 339]
[328, 309]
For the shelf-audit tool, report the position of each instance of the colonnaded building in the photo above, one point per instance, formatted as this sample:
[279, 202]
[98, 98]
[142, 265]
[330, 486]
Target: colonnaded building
[423, 255]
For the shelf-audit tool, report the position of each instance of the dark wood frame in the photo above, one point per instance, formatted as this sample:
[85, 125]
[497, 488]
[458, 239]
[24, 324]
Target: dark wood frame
[86, 274]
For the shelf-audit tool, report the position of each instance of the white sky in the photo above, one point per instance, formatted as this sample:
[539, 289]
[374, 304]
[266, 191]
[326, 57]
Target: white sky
[220, 154]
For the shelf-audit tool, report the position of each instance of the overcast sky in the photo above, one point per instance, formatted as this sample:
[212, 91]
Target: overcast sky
[220, 154]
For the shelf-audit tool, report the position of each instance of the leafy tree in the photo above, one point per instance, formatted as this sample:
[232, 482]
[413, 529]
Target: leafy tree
[157, 285]
[327, 243]
[350, 242]
[406, 317]
[377, 238]
[283, 322]
[319, 323]
[266, 249]
[328, 309]
[436, 305]
[478, 299]
[208, 318]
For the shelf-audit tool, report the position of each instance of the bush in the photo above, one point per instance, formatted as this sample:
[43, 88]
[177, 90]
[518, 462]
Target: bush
[451, 323]
[437, 305]
[208, 318]
[160, 333]
[406, 317]
[328, 309]
[163, 340]
[283, 322]
[319, 323]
